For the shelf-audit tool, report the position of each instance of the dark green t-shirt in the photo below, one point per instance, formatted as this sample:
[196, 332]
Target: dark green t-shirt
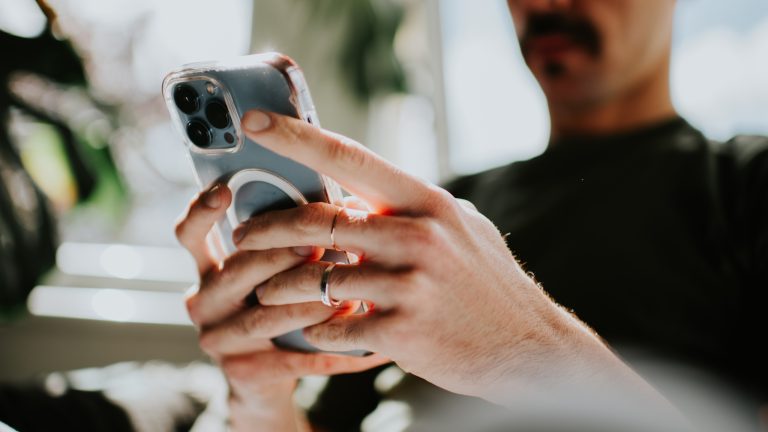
[657, 238]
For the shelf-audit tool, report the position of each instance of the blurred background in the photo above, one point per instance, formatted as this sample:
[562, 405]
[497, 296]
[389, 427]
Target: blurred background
[93, 176]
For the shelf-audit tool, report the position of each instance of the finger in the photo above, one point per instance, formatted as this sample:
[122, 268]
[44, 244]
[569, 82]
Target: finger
[276, 365]
[224, 290]
[373, 236]
[247, 330]
[345, 282]
[466, 204]
[355, 203]
[359, 170]
[193, 227]
[346, 333]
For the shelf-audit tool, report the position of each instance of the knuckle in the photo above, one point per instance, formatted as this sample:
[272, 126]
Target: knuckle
[272, 258]
[314, 310]
[413, 280]
[271, 290]
[416, 287]
[424, 234]
[249, 322]
[441, 194]
[350, 334]
[346, 152]
[465, 203]
[251, 237]
[193, 309]
[183, 234]
[207, 342]
[401, 286]
[292, 366]
[324, 363]
[290, 313]
[312, 216]
[283, 369]
[180, 230]
[183, 221]
[444, 203]
[295, 132]
[338, 332]
[431, 245]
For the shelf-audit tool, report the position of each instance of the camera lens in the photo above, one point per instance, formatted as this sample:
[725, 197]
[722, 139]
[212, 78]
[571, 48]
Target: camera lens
[199, 134]
[217, 114]
[186, 98]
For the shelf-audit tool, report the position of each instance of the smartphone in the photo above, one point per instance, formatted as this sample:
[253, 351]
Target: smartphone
[206, 102]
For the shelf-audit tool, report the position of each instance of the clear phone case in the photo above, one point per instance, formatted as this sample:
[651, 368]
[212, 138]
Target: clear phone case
[260, 179]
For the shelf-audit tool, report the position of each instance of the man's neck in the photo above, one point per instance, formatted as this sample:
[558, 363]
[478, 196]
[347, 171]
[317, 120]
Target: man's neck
[647, 103]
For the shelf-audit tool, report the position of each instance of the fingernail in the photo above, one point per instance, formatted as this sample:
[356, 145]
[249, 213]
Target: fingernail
[212, 198]
[238, 234]
[304, 251]
[255, 121]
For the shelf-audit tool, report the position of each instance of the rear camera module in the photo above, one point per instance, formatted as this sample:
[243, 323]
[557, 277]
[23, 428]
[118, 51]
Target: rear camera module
[199, 133]
[217, 114]
[186, 98]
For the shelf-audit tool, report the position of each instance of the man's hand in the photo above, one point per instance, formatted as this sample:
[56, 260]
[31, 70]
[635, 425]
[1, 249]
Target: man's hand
[261, 377]
[451, 304]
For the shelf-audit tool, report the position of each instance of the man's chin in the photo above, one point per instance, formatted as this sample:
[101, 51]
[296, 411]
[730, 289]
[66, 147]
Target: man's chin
[568, 93]
[562, 80]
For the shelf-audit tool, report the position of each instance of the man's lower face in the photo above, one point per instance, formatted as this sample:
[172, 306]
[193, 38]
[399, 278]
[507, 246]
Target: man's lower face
[554, 70]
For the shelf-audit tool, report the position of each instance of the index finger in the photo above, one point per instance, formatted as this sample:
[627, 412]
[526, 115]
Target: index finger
[357, 169]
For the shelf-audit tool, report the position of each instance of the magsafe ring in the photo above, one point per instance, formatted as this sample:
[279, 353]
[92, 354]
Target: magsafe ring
[246, 177]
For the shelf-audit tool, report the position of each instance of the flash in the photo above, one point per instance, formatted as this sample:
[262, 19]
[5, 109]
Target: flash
[210, 88]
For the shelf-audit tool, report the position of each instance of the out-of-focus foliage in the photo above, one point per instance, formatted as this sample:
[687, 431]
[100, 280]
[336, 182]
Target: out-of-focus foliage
[366, 52]
[27, 226]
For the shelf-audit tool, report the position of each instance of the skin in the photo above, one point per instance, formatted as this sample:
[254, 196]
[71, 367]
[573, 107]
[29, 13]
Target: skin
[451, 304]
[491, 328]
[261, 377]
[624, 87]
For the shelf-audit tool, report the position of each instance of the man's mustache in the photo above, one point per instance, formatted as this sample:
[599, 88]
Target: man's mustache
[578, 29]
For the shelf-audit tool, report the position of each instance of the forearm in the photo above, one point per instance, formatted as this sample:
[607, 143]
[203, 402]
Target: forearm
[578, 373]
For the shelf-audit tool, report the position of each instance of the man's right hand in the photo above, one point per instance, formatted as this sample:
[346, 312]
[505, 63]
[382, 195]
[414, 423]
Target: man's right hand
[261, 377]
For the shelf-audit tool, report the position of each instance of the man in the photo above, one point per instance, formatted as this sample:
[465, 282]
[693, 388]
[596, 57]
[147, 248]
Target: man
[654, 236]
